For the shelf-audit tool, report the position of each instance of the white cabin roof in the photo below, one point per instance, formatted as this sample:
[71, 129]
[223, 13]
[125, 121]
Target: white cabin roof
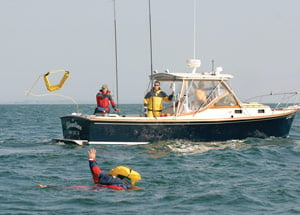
[191, 76]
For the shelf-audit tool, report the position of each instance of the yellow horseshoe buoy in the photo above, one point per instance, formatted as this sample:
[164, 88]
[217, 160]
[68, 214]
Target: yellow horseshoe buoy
[125, 171]
[60, 84]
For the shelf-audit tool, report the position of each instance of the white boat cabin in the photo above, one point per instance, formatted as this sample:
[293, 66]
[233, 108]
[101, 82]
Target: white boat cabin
[195, 92]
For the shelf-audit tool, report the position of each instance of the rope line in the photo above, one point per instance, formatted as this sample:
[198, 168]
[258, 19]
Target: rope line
[30, 93]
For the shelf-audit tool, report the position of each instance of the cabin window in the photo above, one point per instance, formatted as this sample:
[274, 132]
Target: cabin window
[193, 95]
[201, 93]
[261, 111]
[227, 100]
[238, 111]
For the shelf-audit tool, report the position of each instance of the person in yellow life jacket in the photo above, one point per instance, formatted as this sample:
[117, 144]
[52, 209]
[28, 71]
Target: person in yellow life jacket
[153, 101]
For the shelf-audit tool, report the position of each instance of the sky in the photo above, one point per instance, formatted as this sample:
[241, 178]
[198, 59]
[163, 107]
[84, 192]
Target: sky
[256, 41]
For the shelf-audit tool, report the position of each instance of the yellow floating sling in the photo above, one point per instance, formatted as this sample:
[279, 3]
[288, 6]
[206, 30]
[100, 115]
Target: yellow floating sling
[125, 171]
[60, 84]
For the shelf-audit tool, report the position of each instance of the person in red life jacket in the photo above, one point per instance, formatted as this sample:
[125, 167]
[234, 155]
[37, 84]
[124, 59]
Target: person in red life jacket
[104, 98]
[103, 178]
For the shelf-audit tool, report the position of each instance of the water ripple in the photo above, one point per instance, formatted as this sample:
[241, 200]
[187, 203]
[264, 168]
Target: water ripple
[253, 176]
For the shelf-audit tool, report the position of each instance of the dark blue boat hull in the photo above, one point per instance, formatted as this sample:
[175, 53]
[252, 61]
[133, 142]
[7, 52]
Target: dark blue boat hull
[80, 128]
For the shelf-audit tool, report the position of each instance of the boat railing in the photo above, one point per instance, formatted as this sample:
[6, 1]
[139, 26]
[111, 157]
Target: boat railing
[106, 115]
[211, 97]
[277, 100]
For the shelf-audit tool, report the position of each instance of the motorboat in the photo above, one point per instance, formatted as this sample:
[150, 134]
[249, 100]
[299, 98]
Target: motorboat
[204, 108]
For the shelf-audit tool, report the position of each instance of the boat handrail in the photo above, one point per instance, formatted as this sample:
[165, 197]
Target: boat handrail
[287, 99]
[210, 98]
[107, 115]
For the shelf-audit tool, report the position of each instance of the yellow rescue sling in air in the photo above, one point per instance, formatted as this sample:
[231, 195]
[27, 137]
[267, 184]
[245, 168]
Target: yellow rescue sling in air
[60, 84]
[125, 171]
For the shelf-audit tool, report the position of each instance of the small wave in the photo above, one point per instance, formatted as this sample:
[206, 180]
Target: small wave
[183, 147]
[195, 148]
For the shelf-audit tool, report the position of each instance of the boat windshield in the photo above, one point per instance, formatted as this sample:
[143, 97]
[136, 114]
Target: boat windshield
[192, 96]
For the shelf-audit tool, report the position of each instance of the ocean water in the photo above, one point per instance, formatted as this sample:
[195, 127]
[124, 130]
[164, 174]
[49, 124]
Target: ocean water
[253, 176]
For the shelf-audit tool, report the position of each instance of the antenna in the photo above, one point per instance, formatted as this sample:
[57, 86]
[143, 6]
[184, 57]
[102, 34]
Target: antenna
[194, 29]
[194, 63]
[150, 32]
[116, 53]
[151, 59]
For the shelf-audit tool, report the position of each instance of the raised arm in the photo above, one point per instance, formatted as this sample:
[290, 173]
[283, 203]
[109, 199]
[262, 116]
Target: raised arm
[92, 154]
[95, 170]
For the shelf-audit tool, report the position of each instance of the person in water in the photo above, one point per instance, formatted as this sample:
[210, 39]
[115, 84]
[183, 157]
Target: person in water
[103, 178]
[153, 101]
[104, 98]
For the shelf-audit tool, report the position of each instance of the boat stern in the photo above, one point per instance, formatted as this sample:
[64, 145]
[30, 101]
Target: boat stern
[75, 127]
